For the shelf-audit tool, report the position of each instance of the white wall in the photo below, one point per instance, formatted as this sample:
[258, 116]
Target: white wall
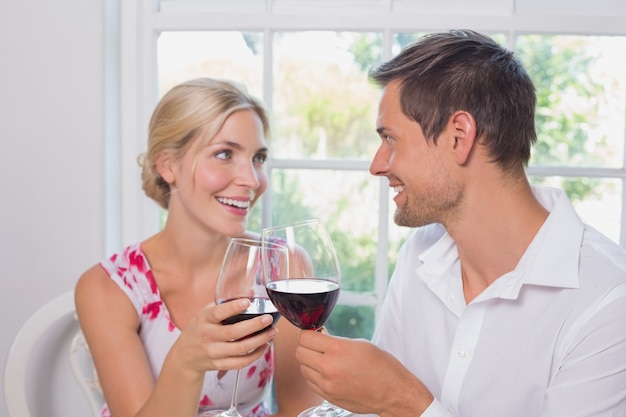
[51, 164]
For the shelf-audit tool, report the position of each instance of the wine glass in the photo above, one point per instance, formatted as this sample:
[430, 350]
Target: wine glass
[241, 276]
[308, 294]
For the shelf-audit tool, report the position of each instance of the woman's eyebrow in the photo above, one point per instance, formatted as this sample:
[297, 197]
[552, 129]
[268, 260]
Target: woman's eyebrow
[238, 146]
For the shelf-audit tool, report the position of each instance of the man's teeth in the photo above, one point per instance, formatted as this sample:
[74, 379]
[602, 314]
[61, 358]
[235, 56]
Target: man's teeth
[236, 203]
[398, 188]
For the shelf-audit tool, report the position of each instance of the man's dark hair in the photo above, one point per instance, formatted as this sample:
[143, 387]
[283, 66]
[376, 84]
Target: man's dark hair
[464, 70]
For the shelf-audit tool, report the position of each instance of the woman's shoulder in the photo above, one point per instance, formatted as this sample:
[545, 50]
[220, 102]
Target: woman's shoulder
[125, 258]
[95, 292]
[98, 276]
[127, 270]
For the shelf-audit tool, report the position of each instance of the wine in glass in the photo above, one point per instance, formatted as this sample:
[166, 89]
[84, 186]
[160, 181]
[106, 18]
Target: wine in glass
[308, 294]
[242, 276]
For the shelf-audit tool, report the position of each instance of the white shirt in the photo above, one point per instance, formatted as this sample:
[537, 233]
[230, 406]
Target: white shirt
[546, 339]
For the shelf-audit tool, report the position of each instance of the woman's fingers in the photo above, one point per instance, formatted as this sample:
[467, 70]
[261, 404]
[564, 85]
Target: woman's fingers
[240, 343]
[241, 361]
[220, 312]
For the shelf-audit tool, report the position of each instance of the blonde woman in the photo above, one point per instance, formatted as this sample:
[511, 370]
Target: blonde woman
[148, 313]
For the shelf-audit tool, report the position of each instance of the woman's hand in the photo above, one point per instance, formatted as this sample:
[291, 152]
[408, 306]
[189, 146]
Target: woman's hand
[206, 344]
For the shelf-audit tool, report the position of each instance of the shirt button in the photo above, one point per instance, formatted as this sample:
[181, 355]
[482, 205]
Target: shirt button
[461, 353]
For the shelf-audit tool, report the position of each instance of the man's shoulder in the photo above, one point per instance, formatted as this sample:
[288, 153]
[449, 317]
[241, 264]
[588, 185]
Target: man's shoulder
[598, 252]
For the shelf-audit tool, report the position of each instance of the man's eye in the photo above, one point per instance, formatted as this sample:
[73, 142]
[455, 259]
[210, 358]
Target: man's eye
[225, 154]
[387, 139]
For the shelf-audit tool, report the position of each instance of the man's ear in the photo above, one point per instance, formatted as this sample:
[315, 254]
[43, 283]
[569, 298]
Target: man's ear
[165, 165]
[463, 135]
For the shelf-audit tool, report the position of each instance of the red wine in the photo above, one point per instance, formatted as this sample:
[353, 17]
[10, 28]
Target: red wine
[305, 302]
[258, 307]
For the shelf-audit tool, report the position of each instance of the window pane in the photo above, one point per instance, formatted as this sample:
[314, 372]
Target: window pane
[598, 201]
[581, 98]
[352, 321]
[323, 104]
[347, 203]
[402, 40]
[233, 55]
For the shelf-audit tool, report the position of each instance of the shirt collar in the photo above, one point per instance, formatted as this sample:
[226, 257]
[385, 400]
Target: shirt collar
[550, 260]
[553, 255]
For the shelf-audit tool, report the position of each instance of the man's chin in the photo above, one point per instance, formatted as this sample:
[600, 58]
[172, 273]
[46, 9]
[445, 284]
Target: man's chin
[401, 219]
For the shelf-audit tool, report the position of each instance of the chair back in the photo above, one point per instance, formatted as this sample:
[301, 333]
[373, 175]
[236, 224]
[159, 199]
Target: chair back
[48, 365]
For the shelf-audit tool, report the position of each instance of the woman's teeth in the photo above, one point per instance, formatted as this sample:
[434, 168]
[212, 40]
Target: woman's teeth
[235, 203]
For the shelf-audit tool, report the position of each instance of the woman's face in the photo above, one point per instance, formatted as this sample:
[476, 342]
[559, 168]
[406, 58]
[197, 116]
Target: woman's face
[228, 177]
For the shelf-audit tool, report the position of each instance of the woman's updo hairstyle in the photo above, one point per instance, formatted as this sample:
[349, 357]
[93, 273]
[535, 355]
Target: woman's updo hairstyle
[199, 106]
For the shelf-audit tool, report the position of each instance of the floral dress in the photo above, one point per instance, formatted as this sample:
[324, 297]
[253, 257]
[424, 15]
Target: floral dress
[132, 273]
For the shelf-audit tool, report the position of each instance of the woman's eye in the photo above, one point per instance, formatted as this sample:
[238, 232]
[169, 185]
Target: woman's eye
[260, 159]
[225, 154]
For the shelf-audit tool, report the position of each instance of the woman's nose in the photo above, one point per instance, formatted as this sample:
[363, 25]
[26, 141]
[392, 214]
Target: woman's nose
[249, 176]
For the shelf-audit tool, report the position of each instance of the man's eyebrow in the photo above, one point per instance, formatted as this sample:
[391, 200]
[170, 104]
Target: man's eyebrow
[381, 130]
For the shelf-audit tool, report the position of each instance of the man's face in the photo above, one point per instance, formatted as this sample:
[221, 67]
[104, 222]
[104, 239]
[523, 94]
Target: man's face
[416, 167]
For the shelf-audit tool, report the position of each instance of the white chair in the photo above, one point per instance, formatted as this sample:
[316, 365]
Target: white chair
[38, 381]
[85, 373]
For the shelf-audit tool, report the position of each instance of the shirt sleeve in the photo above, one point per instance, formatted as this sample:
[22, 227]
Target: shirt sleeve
[591, 378]
[437, 409]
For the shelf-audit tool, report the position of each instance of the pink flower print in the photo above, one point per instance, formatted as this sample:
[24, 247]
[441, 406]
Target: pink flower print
[205, 401]
[256, 409]
[268, 355]
[152, 281]
[136, 259]
[126, 283]
[264, 376]
[152, 309]
[251, 371]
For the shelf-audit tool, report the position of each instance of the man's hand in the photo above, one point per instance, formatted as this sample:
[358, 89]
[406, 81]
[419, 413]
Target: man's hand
[360, 377]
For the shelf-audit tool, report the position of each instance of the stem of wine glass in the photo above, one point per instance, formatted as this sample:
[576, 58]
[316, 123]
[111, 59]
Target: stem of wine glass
[232, 411]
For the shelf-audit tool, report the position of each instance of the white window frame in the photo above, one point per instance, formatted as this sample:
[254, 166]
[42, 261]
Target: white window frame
[131, 80]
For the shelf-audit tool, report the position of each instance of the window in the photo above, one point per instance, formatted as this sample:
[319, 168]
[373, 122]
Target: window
[308, 60]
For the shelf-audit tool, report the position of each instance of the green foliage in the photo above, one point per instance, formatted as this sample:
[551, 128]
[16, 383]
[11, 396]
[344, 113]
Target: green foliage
[331, 126]
[567, 99]
[367, 50]
[354, 322]
[328, 111]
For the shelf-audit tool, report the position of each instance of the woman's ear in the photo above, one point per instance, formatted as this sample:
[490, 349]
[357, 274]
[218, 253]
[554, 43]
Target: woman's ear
[165, 165]
[463, 136]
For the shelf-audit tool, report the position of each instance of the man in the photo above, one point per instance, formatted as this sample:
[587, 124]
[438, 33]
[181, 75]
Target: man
[503, 303]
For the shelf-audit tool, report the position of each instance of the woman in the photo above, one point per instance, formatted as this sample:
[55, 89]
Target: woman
[147, 312]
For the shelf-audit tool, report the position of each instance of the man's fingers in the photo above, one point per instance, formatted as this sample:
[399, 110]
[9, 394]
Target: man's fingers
[314, 340]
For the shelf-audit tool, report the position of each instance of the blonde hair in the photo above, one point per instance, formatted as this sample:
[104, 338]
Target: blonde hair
[193, 107]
